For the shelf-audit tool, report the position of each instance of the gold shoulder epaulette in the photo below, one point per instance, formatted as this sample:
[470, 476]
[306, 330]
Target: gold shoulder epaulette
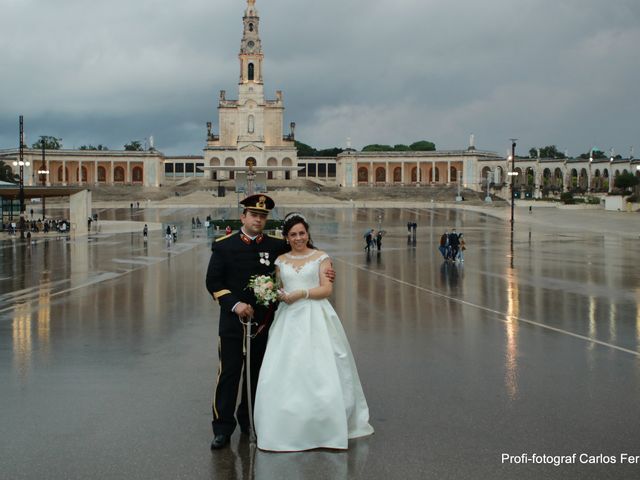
[222, 238]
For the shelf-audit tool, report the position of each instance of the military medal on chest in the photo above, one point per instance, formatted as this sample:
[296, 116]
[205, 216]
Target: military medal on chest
[264, 258]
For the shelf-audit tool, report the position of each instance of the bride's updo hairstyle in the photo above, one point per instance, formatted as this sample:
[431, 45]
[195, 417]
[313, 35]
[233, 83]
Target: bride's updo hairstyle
[291, 220]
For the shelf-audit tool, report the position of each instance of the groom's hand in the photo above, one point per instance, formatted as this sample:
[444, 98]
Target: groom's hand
[244, 310]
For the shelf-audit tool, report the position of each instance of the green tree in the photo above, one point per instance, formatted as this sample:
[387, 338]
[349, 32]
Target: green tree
[6, 173]
[550, 151]
[330, 152]
[423, 146]
[50, 143]
[133, 146]
[91, 147]
[626, 181]
[376, 147]
[595, 152]
[401, 148]
[305, 150]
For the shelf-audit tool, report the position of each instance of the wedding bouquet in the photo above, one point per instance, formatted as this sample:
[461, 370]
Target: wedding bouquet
[264, 288]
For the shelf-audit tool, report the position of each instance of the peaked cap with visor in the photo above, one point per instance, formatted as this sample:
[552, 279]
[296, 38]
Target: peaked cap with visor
[258, 203]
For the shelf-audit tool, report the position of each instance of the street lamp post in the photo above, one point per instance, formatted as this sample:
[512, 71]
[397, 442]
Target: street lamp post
[513, 179]
[487, 198]
[21, 163]
[43, 172]
[589, 180]
[610, 177]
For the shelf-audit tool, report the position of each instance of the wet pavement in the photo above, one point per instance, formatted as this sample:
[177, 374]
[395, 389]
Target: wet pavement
[108, 352]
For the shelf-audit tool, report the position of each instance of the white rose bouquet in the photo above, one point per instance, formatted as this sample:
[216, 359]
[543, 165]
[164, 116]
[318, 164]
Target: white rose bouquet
[264, 288]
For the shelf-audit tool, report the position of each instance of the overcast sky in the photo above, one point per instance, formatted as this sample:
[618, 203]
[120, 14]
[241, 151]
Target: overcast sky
[560, 72]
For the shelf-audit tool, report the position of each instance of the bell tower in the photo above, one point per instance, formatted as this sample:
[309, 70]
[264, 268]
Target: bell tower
[251, 127]
[251, 56]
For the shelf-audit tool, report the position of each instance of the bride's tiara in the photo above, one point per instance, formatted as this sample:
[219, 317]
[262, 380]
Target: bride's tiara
[291, 215]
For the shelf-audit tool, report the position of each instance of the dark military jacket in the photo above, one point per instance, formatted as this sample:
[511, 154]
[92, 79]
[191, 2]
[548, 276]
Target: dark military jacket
[235, 259]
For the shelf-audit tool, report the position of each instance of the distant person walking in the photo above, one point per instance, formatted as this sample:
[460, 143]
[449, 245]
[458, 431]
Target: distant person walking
[463, 247]
[379, 240]
[145, 232]
[444, 244]
[168, 234]
[368, 238]
[454, 244]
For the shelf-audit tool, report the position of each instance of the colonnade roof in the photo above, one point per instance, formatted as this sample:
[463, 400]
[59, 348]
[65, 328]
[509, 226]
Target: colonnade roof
[84, 153]
[568, 160]
[13, 191]
[432, 153]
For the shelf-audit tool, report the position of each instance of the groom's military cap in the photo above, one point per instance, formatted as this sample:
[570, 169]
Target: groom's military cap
[258, 203]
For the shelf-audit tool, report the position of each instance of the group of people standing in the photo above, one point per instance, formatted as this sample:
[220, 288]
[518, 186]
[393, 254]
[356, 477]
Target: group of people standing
[373, 240]
[452, 246]
[36, 226]
[171, 233]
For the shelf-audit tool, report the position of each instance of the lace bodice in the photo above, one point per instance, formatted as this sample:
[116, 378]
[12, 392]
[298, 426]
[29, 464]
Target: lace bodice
[300, 272]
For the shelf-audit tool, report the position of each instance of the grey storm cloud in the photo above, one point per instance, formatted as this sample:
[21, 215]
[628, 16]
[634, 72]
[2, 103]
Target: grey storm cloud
[562, 72]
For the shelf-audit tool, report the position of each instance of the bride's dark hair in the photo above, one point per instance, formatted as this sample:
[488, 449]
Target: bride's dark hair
[291, 220]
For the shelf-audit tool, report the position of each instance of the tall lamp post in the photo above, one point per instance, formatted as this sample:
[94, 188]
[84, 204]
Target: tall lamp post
[589, 179]
[487, 198]
[513, 174]
[43, 172]
[21, 163]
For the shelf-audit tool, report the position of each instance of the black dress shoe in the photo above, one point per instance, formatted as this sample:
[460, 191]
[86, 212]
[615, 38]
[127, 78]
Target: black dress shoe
[219, 441]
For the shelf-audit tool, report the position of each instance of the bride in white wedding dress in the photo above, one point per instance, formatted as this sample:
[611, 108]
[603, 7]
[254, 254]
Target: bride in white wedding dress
[309, 394]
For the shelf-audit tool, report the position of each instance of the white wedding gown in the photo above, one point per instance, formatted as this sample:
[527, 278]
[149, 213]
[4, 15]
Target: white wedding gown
[309, 393]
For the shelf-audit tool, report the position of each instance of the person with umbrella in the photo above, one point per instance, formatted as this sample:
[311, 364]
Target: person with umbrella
[368, 238]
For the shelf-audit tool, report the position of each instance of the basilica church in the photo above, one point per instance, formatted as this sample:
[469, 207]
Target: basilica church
[250, 132]
[251, 127]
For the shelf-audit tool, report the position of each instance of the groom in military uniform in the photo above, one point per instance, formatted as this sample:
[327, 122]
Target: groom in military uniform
[235, 259]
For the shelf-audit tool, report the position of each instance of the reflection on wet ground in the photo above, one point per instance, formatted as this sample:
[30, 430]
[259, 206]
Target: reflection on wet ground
[107, 351]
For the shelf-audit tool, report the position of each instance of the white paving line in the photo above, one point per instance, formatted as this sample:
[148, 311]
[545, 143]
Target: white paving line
[490, 310]
[101, 277]
[132, 261]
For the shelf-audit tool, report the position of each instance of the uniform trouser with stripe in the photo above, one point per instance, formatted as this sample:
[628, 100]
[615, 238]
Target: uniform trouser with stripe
[230, 373]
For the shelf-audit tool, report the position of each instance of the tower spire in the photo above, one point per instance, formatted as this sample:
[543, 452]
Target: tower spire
[250, 47]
